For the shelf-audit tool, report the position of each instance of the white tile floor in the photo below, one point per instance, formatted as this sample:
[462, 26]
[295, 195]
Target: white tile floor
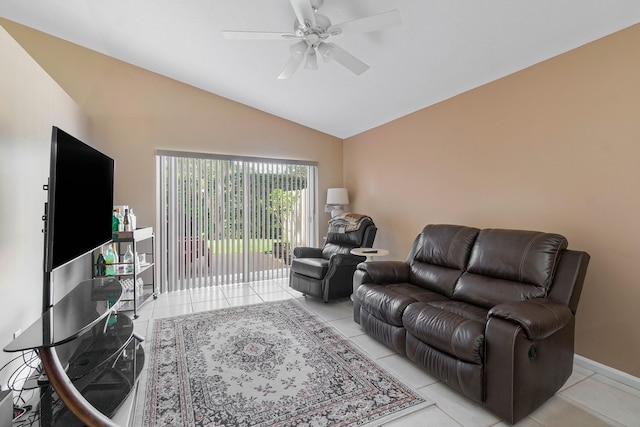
[588, 398]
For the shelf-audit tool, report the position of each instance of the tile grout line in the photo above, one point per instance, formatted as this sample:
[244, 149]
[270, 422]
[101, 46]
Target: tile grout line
[587, 409]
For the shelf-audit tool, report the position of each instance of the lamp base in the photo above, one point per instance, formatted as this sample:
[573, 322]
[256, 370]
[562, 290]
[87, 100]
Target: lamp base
[338, 210]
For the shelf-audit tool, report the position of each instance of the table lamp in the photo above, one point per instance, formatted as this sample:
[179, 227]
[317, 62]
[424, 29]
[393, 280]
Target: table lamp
[337, 199]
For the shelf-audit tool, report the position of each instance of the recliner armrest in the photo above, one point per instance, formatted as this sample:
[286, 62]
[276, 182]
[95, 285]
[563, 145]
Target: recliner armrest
[540, 318]
[345, 259]
[383, 272]
[307, 252]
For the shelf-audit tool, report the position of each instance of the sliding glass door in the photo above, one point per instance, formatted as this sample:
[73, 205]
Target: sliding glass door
[226, 219]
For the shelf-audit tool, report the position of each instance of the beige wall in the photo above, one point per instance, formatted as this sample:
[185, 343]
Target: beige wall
[193, 120]
[30, 103]
[554, 148]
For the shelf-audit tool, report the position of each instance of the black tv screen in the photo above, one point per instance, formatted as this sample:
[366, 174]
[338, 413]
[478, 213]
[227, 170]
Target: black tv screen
[80, 200]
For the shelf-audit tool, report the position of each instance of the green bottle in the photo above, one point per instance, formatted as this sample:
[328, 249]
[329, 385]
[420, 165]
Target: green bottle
[115, 222]
[101, 265]
[110, 259]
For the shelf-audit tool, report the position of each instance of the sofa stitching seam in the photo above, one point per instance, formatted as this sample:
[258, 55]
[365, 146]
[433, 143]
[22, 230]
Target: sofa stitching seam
[451, 245]
[546, 307]
[524, 257]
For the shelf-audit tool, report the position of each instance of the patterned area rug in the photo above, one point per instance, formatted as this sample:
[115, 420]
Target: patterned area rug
[270, 364]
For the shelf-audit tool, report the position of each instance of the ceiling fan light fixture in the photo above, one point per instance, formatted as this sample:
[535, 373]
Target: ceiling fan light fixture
[326, 51]
[312, 59]
[298, 49]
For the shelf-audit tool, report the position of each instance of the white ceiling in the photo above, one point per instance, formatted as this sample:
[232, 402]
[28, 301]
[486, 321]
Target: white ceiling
[443, 48]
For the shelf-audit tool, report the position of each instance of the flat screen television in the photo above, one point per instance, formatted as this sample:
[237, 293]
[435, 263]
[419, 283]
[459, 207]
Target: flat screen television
[80, 200]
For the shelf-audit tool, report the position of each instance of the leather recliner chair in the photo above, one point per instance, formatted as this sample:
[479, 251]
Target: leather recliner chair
[327, 272]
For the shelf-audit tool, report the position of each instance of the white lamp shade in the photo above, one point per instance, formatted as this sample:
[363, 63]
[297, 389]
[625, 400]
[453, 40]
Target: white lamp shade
[337, 196]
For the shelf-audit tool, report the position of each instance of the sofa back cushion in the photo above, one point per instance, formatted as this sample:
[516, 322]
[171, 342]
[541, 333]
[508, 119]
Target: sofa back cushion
[510, 265]
[439, 256]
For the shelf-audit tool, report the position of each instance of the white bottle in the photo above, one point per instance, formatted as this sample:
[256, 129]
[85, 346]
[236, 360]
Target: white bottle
[132, 219]
[118, 267]
[128, 260]
[137, 261]
[120, 219]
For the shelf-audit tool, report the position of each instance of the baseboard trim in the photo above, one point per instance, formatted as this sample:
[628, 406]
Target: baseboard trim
[607, 371]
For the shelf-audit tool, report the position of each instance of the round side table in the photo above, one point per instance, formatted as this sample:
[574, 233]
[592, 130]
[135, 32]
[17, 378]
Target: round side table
[370, 253]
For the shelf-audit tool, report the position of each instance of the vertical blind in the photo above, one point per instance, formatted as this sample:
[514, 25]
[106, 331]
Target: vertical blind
[225, 219]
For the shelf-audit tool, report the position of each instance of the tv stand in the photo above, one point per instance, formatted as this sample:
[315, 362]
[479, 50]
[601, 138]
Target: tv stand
[105, 356]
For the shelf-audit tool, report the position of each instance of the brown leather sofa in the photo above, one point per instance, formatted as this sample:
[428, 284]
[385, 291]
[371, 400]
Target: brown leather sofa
[489, 312]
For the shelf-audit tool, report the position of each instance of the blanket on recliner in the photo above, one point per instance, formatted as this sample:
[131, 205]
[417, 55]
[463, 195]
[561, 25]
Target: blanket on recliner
[347, 222]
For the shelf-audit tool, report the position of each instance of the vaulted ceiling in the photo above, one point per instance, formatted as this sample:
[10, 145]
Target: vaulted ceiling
[441, 49]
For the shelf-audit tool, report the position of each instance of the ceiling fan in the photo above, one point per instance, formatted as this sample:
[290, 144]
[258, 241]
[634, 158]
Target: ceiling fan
[311, 30]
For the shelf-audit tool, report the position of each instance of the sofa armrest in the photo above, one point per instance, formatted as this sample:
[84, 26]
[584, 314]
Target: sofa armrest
[307, 252]
[540, 318]
[522, 373]
[384, 272]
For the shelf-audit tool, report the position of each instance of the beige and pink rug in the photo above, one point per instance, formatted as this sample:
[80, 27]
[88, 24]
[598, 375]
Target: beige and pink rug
[271, 364]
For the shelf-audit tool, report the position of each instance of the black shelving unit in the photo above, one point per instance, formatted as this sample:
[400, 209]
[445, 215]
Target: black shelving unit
[103, 354]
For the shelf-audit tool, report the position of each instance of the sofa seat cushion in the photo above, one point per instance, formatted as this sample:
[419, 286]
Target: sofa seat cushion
[310, 267]
[453, 327]
[387, 303]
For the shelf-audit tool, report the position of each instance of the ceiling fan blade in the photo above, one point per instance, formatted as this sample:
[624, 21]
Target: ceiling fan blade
[304, 12]
[370, 23]
[291, 67]
[346, 59]
[257, 35]
[298, 51]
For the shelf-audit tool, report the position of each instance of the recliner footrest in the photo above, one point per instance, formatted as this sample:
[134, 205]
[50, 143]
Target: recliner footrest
[311, 267]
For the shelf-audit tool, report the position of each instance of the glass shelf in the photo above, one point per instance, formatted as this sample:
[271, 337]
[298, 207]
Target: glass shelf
[101, 346]
[105, 386]
[77, 312]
